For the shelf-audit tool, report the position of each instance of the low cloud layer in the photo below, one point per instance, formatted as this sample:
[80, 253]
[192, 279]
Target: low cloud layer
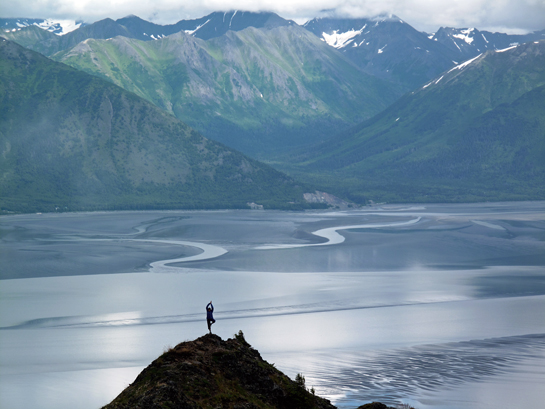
[425, 15]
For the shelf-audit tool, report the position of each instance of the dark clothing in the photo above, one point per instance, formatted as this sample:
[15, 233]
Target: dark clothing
[209, 317]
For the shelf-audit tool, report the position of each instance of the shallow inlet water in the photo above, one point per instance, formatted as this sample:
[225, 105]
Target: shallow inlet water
[439, 306]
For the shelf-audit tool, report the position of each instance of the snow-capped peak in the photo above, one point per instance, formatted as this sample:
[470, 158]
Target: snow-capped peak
[67, 26]
[59, 27]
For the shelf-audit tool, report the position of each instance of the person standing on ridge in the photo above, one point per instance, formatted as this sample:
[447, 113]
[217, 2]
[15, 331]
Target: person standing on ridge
[209, 317]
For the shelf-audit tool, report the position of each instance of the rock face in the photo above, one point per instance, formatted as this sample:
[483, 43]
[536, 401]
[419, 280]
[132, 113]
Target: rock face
[212, 373]
[378, 405]
[326, 198]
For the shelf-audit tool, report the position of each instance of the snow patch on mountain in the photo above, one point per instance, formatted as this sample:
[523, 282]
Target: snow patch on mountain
[232, 17]
[192, 32]
[340, 40]
[464, 64]
[434, 82]
[159, 36]
[466, 35]
[507, 49]
[59, 27]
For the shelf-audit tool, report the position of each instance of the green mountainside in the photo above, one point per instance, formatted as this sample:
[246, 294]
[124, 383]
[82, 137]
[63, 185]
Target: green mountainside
[475, 133]
[32, 37]
[281, 94]
[72, 141]
[257, 90]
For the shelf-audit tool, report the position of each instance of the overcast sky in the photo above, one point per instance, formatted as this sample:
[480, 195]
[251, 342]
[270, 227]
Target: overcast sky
[513, 16]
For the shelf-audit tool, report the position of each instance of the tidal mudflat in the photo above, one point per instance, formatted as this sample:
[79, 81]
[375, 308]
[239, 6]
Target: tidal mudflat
[440, 306]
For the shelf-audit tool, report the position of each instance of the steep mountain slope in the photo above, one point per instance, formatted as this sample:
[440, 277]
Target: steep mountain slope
[475, 133]
[256, 90]
[470, 42]
[34, 38]
[212, 373]
[387, 47]
[69, 140]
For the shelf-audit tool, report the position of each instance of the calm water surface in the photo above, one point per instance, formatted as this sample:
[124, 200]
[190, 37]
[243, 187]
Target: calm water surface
[439, 306]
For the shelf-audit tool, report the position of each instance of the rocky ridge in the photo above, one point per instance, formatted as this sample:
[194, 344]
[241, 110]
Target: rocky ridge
[212, 373]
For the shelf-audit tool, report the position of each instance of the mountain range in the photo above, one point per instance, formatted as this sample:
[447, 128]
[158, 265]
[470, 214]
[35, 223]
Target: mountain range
[470, 42]
[368, 109]
[388, 47]
[24, 31]
[72, 141]
[265, 86]
[256, 90]
[384, 46]
[476, 132]
[296, 90]
[59, 27]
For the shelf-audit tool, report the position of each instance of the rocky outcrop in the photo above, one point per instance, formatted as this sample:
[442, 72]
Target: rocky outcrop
[378, 405]
[212, 373]
[329, 199]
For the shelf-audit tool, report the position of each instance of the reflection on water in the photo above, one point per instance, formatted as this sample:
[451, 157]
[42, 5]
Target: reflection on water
[419, 304]
[415, 374]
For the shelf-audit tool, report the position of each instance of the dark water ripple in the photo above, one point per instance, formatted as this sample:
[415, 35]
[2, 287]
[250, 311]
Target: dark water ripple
[394, 376]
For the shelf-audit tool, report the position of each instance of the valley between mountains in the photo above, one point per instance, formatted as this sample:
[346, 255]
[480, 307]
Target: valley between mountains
[131, 114]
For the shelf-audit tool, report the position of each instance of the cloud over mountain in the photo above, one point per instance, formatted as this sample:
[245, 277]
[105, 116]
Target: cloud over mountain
[425, 15]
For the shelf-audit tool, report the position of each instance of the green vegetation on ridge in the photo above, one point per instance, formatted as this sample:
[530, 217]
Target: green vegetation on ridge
[475, 133]
[256, 90]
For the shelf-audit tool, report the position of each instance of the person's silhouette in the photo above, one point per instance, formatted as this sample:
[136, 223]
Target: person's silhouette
[209, 317]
